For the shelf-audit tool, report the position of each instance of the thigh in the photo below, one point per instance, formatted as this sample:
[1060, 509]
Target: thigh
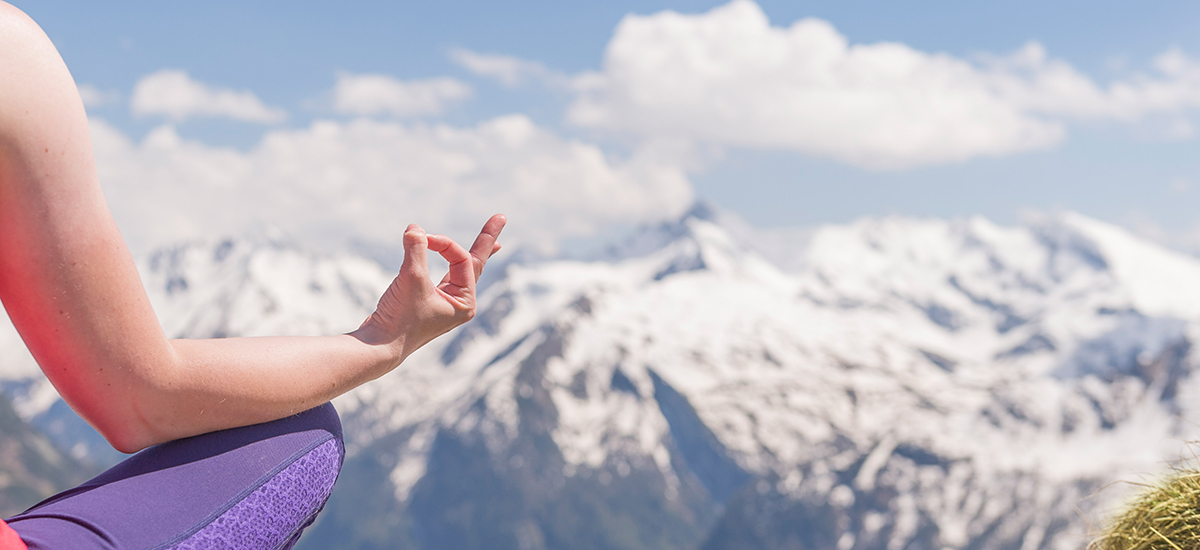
[251, 487]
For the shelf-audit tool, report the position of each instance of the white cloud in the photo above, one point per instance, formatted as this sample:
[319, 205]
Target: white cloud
[95, 97]
[365, 178]
[728, 77]
[1031, 82]
[370, 94]
[509, 71]
[174, 94]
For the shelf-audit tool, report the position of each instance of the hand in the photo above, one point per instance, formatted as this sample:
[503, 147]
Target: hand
[413, 311]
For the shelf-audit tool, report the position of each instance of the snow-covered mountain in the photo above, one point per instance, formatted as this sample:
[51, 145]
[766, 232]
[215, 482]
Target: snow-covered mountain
[905, 384]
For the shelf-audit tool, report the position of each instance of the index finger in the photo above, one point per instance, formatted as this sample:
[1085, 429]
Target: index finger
[485, 243]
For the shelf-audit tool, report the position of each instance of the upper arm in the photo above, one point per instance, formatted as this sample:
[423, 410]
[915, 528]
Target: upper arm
[67, 280]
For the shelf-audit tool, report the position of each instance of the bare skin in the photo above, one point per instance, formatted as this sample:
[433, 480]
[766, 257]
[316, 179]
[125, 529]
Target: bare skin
[69, 284]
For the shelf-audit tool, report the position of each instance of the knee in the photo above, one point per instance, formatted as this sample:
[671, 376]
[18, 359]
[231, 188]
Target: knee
[281, 508]
[275, 479]
[287, 502]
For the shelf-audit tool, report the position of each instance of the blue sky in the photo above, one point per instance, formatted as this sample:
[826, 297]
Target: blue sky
[1130, 162]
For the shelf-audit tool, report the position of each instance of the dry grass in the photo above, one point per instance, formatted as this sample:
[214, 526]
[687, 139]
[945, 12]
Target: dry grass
[1166, 516]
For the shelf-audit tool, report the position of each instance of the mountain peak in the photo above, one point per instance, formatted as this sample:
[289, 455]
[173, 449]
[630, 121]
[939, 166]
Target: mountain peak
[702, 210]
[650, 238]
[1157, 280]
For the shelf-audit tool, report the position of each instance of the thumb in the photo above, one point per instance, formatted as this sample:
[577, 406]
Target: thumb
[416, 245]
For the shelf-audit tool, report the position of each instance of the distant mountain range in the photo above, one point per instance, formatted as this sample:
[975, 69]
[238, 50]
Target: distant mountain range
[904, 383]
[31, 467]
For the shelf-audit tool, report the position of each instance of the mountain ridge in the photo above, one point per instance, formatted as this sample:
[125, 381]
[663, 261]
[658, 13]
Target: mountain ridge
[906, 383]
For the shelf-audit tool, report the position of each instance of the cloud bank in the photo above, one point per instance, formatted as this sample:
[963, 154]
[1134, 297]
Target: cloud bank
[368, 179]
[177, 96]
[680, 87]
[728, 77]
[373, 94]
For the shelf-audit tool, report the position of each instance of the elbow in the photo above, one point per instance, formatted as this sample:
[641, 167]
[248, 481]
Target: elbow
[122, 426]
[127, 433]
[150, 403]
[129, 427]
[127, 443]
[121, 436]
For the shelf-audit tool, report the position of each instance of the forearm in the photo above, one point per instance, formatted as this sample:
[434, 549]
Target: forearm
[217, 384]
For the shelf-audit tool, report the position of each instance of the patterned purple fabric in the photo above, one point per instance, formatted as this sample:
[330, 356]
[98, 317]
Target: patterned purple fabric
[251, 487]
[277, 510]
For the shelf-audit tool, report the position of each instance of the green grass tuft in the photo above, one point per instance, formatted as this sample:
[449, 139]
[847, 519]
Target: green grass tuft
[1166, 516]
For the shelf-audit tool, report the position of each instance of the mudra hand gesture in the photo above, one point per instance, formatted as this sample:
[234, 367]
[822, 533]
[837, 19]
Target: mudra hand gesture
[413, 310]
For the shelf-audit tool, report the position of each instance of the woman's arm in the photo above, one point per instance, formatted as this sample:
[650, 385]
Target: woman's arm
[69, 285]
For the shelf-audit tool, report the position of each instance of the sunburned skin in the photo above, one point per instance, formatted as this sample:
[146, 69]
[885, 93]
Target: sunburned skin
[69, 284]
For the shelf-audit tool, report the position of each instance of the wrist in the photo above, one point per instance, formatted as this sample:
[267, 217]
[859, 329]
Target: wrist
[389, 346]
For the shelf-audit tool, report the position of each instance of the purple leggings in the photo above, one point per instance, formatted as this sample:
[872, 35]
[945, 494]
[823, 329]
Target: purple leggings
[253, 487]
